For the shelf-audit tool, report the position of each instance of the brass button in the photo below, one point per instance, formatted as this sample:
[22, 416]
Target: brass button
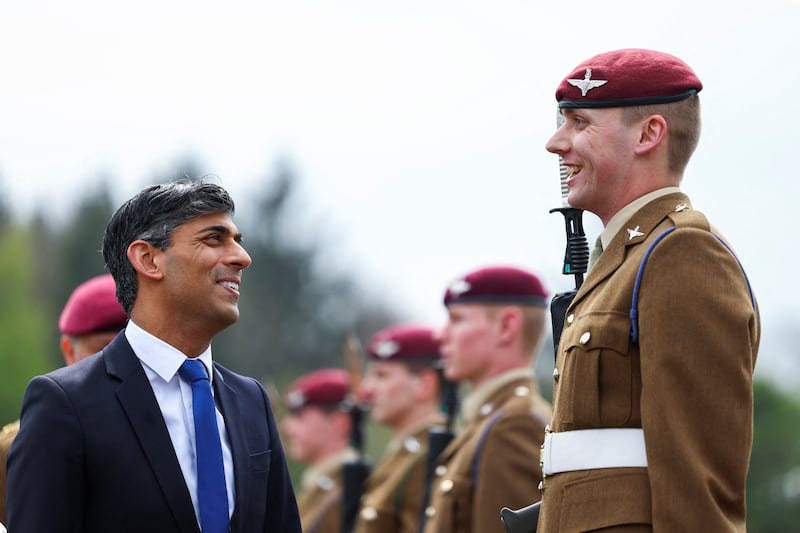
[522, 391]
[369, 514]
[430, 511]
[585, 337]
[541, 486]
[447, 485]
[441, 470]
[555, 375]
[571, 319]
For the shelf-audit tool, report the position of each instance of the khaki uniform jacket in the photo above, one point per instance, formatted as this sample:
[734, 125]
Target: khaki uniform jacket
[7, 435]
[392, 500]
[687, 383]
[493, 461]
[321, 501]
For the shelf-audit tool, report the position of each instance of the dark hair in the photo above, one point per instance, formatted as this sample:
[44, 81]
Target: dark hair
[152, 216]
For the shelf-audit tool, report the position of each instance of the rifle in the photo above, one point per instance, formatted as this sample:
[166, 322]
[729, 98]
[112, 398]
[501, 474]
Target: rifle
[355, 471]
[439, 436]
[576, 262]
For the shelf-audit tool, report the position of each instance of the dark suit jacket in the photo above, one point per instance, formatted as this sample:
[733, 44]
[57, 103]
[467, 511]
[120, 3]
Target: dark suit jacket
[94, 455]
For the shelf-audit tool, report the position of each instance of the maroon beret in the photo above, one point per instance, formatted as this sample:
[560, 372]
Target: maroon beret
[327, 387]
[497, 284]
[404, 342]
[628, 77]
[92, 307]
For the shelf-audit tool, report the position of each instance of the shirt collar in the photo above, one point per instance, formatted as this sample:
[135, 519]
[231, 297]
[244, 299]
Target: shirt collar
[624, 214]
[162, 358]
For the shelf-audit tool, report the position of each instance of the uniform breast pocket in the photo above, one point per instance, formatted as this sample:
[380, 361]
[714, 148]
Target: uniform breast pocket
[597, 372]
[455, 508]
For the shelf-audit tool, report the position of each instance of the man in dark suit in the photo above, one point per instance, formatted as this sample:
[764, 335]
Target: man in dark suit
[111, 443]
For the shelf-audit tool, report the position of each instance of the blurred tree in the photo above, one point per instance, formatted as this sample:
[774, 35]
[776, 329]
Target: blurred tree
[68, 253]
[24, 349]
[773, 483]
[295, 313]
[5, 211]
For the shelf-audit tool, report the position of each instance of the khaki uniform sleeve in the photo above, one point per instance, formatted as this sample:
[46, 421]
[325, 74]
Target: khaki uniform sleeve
[698, 341]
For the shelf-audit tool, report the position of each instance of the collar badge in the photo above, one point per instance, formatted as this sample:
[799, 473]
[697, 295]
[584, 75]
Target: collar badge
[633, 233]
[586, 84]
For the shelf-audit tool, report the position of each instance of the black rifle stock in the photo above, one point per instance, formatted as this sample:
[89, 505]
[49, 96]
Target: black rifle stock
[439, 437]
[356, 471]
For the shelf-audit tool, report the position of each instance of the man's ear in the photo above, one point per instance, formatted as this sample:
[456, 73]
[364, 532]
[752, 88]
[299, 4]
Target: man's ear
[67, 350]
[652, 133]
[427, 384]
[509, 321]
[142, 256]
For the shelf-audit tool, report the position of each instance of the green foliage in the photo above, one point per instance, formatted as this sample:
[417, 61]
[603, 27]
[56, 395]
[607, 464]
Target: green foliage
[773, 483]
[23, 331]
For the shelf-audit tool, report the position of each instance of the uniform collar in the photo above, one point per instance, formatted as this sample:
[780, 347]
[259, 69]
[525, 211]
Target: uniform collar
[472, 404]
[625, 214]
[326, 468]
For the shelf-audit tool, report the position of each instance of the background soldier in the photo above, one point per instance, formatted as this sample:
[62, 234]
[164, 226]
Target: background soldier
[318, 431]
[495, 326]
[91, 318]
[403, 385]
[675, 369]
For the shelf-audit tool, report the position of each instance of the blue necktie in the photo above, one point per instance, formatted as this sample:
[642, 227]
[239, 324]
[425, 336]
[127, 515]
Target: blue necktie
[212, 493]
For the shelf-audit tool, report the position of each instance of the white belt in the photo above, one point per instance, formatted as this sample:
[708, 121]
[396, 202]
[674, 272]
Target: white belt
[588, 449]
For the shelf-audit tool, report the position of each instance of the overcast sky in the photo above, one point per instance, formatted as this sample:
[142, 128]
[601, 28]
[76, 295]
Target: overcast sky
[417, 127]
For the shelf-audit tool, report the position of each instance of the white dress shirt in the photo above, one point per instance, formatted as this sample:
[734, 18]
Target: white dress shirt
[161, 363]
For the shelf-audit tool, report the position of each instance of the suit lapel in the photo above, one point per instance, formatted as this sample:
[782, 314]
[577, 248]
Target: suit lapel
[642, 223]
[229, 406]
[139, 403]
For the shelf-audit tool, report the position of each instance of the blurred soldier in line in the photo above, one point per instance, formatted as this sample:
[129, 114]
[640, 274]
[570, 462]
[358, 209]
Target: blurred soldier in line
[91, 318]
[403, 385]
[495, 326]
[317, 427]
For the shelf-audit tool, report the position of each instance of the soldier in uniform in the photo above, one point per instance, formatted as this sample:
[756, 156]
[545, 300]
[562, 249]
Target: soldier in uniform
[318, 432]
[496, 321]
[91, 318]
[653, 394]
[403, 385]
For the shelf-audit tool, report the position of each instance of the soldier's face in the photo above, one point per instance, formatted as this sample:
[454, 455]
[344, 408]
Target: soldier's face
[597, 148]
[467, 342]
[308, 431]
[391, 387]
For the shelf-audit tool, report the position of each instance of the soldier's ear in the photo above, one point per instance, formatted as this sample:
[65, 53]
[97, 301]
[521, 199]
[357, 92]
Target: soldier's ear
[509, 322]
[427, 384]
[652, 133]
[143, 257]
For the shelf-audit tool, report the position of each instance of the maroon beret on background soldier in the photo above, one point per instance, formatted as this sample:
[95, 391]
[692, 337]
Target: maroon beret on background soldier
[92, 308]
[326, 388]
[404, 342]
[497, 284]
